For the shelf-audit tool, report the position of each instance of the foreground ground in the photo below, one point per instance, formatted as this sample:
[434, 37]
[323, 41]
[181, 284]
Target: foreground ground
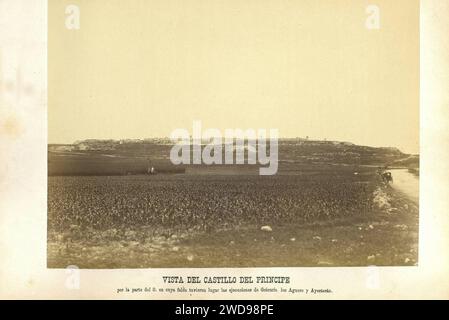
[323, 218]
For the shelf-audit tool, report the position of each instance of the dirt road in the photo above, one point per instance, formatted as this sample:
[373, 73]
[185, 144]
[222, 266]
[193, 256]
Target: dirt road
[407, 183]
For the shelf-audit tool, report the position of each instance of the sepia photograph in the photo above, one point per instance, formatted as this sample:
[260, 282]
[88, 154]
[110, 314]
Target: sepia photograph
[224, 157]
[233, 134]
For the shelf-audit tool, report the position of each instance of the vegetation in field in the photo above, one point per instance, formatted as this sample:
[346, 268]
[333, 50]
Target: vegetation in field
[215, 221]
[326, 206]
[205, 203]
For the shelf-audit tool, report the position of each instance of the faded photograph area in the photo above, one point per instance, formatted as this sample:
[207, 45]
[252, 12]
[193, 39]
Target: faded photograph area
[142, 170]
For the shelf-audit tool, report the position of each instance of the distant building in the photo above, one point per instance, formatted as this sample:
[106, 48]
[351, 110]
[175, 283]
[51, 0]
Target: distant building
[61, 147]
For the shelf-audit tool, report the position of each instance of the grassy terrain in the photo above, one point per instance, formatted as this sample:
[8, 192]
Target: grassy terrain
[326, 206]
[317, 217]
[105, 164]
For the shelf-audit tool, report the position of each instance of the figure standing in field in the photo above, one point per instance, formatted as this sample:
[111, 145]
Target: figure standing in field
[387, 177]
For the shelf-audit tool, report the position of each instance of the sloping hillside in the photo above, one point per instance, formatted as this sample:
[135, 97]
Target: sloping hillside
[125, 156]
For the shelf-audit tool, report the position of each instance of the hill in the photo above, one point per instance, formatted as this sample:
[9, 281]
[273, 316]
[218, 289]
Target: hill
[135, 156]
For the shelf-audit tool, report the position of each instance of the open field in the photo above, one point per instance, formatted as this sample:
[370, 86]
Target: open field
[104, 164]
[323, 216]
[326, 206]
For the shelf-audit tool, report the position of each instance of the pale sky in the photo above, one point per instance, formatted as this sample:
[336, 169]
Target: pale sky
[140, 68]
